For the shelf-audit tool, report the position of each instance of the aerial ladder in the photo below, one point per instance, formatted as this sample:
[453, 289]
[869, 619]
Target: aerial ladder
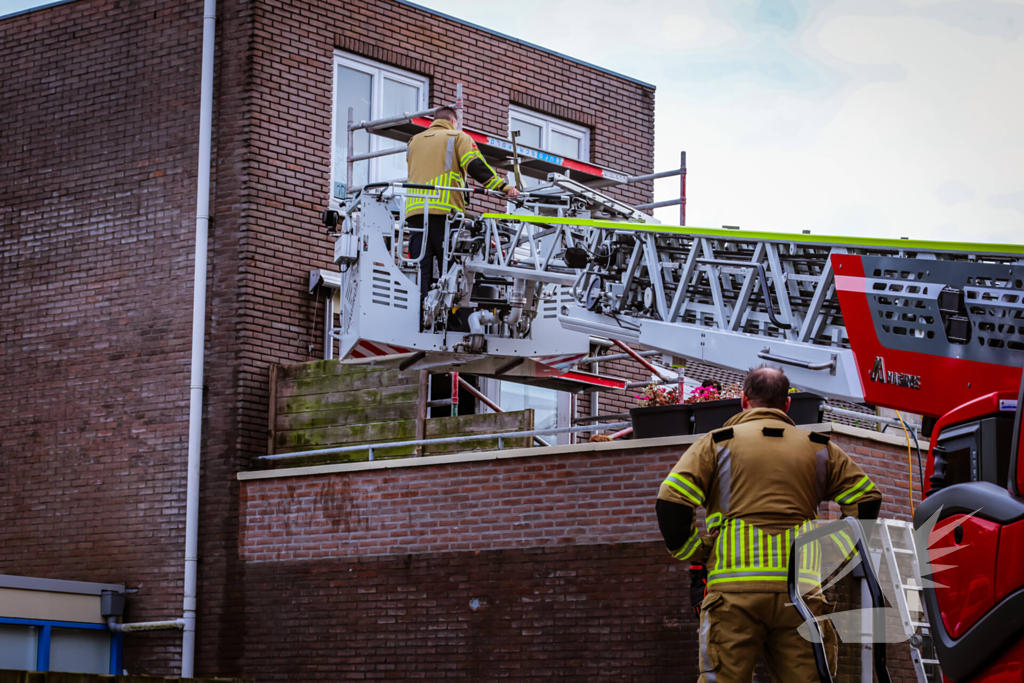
[929, 327]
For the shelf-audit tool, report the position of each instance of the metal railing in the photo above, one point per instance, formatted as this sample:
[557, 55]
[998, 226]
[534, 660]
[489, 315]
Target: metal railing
[501, 437]
[373, 126]
[681, 202]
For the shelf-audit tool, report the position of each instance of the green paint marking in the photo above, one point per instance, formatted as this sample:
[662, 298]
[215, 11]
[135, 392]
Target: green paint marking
[829, 240]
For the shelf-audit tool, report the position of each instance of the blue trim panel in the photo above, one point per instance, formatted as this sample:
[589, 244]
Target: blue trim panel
[116, 643]
[59, 624]
[43, 650]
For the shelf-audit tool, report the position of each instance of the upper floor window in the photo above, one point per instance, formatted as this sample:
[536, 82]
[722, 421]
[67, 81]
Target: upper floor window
[374, 91]
[550, 134]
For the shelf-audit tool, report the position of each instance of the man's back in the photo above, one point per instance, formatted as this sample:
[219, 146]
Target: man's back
[433, 160]
[761, 480]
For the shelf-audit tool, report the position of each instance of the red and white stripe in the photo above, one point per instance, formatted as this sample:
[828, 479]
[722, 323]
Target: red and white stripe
[593, 380]
[368, 349]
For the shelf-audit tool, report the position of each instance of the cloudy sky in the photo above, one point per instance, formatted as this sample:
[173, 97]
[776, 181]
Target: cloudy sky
[861, 117]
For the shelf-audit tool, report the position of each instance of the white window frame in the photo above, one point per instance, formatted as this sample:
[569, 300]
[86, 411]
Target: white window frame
[377, 72]
[551, 123]
[491, 388]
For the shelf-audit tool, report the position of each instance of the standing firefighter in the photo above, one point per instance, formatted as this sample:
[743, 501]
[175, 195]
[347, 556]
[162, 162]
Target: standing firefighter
[761, 480]
[442, 155]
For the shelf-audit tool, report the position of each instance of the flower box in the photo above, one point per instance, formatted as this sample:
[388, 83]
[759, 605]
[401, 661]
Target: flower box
[804, 408]
[652, 422]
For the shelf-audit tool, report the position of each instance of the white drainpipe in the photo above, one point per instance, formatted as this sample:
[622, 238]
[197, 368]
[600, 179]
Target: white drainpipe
[195, 408]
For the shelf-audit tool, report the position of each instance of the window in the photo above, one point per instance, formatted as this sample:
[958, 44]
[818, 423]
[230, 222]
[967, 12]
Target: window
[19, 644]
[39, 645]
[374, 91]
[550, 134]
[551, 409]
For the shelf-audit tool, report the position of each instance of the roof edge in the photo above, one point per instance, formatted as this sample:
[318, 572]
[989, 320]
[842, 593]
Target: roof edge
[36, 9]
[533, 452]
[457, 20]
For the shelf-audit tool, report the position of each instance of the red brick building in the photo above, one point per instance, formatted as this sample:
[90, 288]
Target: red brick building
[100, 113]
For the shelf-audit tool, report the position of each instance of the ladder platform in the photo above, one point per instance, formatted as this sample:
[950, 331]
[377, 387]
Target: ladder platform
[497, 151]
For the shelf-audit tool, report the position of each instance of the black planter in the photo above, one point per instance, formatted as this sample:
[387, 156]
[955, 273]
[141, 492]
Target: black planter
[713, 414]
[804, 409]
[654, 421]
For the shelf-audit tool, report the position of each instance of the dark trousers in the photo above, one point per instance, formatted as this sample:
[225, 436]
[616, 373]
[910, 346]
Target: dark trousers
[435, 248]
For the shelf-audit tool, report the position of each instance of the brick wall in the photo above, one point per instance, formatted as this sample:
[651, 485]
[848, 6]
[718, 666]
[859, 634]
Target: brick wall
[562, 550]
[97, 202]
[560, 613]
[581, 498]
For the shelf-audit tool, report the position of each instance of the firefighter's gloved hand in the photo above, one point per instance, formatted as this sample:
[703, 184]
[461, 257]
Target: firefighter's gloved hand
[698, 586]
[512, 191]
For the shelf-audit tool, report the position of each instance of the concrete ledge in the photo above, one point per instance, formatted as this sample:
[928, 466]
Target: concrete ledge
[488, 456]
[31, 583]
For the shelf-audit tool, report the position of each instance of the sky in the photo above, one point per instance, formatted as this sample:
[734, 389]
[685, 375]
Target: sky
[893, 118]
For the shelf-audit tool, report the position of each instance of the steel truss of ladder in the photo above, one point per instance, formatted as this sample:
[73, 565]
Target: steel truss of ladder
[735, 298]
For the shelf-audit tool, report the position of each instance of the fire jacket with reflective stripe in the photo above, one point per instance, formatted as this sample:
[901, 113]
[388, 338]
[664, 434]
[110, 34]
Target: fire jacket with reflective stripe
[441, 155]
[761, 480]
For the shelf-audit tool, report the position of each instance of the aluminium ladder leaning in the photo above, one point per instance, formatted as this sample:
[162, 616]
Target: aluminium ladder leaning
[907, 594]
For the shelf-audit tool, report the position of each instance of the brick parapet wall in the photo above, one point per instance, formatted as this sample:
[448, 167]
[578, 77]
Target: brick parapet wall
[591, 494]
[540, 563]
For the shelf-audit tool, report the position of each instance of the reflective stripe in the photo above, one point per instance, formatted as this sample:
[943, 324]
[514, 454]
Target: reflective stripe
[724, 476]
[713, 522]
[449, 153]
[736, 545]
[739, 573]
[745, 551]
[705, 661]
[761, 575]
[686, 488]
[689, 547]
[495, 180]
[822, 474]
[852, 495]
[845, 544]
[444, 198]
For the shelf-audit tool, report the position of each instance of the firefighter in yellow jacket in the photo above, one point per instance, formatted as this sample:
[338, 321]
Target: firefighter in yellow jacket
[442, 155]
[761, 480]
